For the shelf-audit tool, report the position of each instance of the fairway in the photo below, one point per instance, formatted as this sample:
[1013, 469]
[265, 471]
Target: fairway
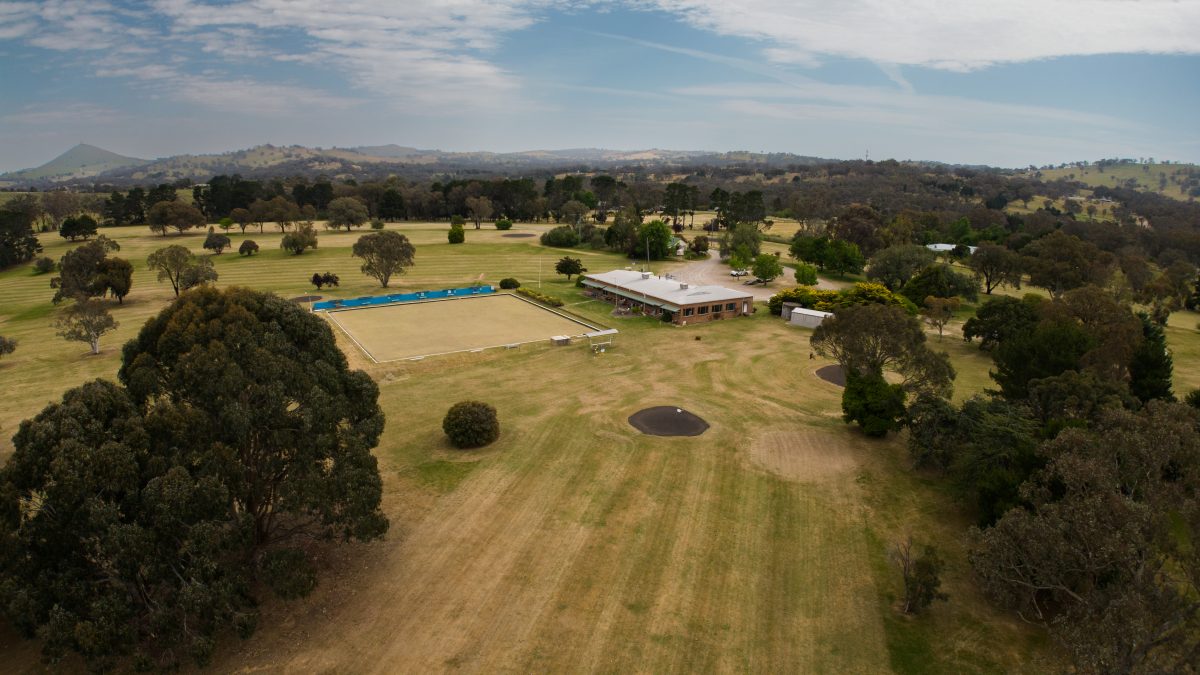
[404, 331]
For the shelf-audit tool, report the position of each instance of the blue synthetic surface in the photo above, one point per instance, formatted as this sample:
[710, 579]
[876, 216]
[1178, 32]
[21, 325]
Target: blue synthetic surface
[372, 300]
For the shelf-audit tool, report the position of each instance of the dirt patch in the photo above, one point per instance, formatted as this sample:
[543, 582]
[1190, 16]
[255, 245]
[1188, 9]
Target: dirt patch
[806, 456]
[519, 235]
[832, 374]
[306, 298]
[665, 420]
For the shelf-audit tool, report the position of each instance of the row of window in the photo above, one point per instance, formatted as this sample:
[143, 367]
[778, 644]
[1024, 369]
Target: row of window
[716, 309]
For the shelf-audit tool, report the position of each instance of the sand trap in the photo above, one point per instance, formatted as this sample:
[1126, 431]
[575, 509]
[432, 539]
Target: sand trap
[666, 420]
[833, 375]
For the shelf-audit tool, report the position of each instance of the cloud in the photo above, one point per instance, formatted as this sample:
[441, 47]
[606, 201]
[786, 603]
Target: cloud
[406, 52]
[957, 36]
[58, 115]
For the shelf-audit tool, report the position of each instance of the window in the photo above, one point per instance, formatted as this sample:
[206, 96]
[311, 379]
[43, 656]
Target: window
[731, 307]
[687, 312]
[716, 309]
[702, 310]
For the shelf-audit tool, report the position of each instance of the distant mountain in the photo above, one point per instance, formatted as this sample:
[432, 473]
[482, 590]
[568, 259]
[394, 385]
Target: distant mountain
[81, 161]
[88, 164]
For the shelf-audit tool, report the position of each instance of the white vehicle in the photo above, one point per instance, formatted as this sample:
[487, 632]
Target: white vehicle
[738, 273]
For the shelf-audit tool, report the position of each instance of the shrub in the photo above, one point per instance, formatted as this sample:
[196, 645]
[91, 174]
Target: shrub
[509, 283]
[248, 247]
[471, 424]
[377, 224]
[544, 299]
[806, 275]
[504, 224]
[44, 265]
[877, 407]
[457, 234]
[457, 221]
[563, 236]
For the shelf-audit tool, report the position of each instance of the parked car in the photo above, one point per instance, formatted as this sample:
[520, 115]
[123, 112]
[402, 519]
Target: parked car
[738, 273]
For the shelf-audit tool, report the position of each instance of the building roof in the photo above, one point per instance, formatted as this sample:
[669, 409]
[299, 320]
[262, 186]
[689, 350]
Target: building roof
[668, 293]
[945, 248]
[811, 312]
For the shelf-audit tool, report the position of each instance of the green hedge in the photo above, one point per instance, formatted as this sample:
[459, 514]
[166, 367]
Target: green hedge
[544, 299]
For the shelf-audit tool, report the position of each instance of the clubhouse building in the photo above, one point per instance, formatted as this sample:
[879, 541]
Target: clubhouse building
[672, 300]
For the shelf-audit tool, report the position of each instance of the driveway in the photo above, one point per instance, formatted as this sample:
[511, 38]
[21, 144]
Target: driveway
[713, 272]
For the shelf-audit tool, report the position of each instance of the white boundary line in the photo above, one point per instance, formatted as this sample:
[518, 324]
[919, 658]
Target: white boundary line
[352, 338]
[418, 357]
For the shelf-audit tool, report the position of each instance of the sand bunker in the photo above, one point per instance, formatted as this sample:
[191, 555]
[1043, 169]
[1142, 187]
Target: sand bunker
[665, 420]
[833, 375]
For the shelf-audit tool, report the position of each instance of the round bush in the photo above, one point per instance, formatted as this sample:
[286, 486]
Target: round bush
[44, 265]
[471, 424]
[509, 283]
[377, 224]
[456, 235]
[563, 236]
[504, 224]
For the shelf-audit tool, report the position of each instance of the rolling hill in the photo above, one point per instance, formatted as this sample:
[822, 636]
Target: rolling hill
[81, 161]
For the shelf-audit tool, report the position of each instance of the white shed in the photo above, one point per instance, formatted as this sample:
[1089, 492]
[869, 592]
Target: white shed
[807, 318]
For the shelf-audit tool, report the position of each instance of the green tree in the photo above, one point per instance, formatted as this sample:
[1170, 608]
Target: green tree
[806, 275]
[869, 401]
[894, 266]
[1151, 367]
[304, 237]
[18, 244]
[766, 268]
[248, 247]
[75, 227]
[657, 236]
[563, 236]
[384, 254]
[1059, 262]
[87, 320]
[871, 339]
[471, 424]
[569, 266]
[181, 268]
[995, 266]
[842, 257]
[941, 282]
[1000, 318]
[572, 212]
[174, 215]
[921, 572]
[744, 238]
[347, 212]
[1095, 553]
[217, 243]
[79, 269]
[939, 311]
[7, 345]
[115, 276]
[1048, 349]
[456, 235]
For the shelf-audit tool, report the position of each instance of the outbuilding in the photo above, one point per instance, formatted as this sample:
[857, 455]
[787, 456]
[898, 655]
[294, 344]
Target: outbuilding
[796, 315]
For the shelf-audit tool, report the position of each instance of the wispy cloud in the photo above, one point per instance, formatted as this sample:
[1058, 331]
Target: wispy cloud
[958, 36]
[58, 115]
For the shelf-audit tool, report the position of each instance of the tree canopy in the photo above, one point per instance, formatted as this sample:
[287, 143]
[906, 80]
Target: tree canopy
[384, 254]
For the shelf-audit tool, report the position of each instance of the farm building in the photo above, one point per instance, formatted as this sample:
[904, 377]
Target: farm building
[946, 248]
[673, 300]
[796, 315]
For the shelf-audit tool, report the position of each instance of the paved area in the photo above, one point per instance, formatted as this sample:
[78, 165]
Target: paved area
[716, 273]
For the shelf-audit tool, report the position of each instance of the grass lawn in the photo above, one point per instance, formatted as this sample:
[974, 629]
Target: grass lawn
[413, 329]
[575, 543]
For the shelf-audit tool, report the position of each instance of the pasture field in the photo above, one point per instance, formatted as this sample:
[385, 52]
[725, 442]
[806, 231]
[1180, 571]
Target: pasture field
[1147, 176]
[402, 331]
[575, 543]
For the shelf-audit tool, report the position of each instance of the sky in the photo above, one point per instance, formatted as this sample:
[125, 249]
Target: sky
[1006, 83]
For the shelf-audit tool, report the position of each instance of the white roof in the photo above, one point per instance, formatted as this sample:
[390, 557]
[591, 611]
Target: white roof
[668, 291]
[942, 248]
[811, 312]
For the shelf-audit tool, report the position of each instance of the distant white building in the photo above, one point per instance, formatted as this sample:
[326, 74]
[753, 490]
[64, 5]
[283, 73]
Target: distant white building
[946, 248]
